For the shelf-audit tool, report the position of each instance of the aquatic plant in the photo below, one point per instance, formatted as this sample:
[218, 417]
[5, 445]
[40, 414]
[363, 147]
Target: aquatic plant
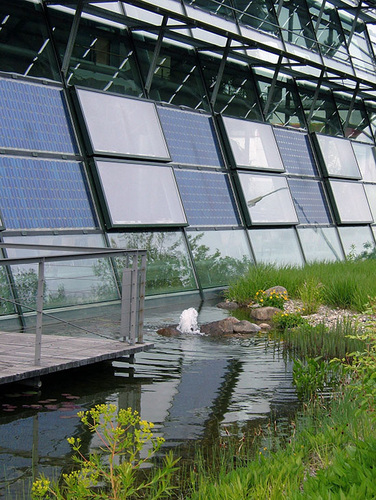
[286, 320]
[311, 294]
[110, 472]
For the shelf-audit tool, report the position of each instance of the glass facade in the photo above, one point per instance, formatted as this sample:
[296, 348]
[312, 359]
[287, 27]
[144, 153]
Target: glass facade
[215, 146]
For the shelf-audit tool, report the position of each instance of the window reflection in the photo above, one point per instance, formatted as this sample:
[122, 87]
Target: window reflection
[220, 256]
[365, 156]
[320, 244]
[168, 267]
[357, 242]
[350, 202]
[268, 199]
[276, 246]
[67, 283]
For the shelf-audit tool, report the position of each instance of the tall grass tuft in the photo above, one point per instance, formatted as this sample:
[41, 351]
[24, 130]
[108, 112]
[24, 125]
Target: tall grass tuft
[307, 341]
[344, 284]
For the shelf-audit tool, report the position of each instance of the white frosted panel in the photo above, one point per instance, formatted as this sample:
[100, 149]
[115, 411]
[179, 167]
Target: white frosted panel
[140, 194]
[122, 126]
[351, 202]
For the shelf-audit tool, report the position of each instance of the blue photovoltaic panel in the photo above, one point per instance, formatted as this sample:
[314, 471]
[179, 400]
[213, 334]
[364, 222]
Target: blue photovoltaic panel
[37, 193]
[34, 118]
[310, 202]
[207, 198]
[296, 152]
[190, 137]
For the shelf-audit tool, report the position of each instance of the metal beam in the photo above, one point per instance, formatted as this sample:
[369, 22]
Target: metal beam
[220, 72]
[72, 38]
[319, 17]
[351, 107]
[316, 96]
[157, 50]
[272, 87]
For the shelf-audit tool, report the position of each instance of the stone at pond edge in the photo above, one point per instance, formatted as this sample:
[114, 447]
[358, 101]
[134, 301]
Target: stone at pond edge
[276, 289]
[245, 326]
[223, 326]
[169, 331]
[265, 326]
[228, 305]
[264, 313]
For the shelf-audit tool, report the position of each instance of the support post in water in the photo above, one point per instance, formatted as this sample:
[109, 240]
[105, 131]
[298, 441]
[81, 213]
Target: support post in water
[38, 333]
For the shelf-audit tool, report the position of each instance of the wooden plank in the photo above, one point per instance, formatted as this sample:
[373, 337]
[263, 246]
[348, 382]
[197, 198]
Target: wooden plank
[58, 353]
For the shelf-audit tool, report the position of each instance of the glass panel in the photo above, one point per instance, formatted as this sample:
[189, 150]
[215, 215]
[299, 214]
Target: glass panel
[320, 244]
[252, 145]
[34, 118]
[221, 8]
[44, 194]
[279, 247]
[6, 293]
[353, 118]
[371, 196]
[176, 78]
[25, 47]
[121, 126]
[190, 137]
[102, 56]
[296, 152]
[337, 157]
[351, 202]
[283, 106]
[371, 113]
[357, 241]
[207, 198]
[139, 195]
[67, 283]
[268, 199]
[361, 54]
[310, 202]
[237, 95]
[320, 110]
[258, 14]
[168, 268]
[295, 23]
[366, 159]
[328, 29]
[220, 256]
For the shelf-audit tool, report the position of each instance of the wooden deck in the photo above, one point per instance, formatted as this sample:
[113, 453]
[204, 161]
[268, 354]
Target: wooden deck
[58, 353]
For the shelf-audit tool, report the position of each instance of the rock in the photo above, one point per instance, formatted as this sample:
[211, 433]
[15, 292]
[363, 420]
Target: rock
[169, 331]
[229, 305]
[245, 326]
[277, 289]
[265, 326]
[221, 327]
[264, 313]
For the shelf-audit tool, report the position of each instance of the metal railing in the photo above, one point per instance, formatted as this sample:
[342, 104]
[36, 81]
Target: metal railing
[132, 289]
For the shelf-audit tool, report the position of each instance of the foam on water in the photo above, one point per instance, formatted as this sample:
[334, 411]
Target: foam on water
[188, 321]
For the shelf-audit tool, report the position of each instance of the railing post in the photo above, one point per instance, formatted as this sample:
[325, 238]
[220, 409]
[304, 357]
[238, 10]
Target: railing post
[38, 333]
[141, 300]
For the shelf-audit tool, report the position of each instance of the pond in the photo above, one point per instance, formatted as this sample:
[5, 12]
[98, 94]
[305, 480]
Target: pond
[192, 387]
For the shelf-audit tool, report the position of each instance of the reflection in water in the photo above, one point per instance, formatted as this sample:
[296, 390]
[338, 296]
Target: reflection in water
[191, 387]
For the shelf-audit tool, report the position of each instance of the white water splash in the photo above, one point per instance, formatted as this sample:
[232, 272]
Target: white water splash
[188, 321]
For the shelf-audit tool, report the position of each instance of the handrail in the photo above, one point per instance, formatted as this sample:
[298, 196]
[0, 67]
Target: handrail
[132, 284]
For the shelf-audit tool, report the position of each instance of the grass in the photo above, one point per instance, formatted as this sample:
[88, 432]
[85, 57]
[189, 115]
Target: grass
[347, 284]
[307, 341]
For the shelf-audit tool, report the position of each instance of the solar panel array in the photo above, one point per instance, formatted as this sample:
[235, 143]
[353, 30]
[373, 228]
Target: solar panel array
[310, 202]
[207, 198]
[38, 193]
[190, 137]
[296, 152]
[34, 118]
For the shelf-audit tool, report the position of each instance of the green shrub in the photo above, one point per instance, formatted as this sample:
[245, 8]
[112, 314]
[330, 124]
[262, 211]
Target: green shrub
[271, 299]
[283, 320]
